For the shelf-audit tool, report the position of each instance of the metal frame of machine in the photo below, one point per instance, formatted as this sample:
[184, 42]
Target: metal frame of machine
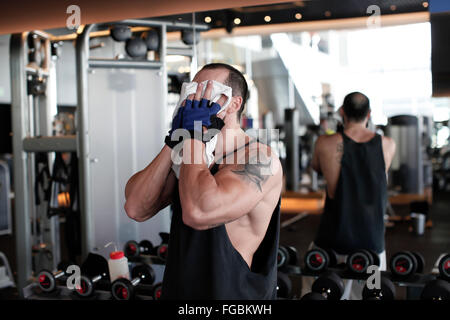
[26, 141]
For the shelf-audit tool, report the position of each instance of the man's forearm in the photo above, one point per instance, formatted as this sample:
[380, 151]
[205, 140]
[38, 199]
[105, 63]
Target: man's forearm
[143, 190]
[195, 177]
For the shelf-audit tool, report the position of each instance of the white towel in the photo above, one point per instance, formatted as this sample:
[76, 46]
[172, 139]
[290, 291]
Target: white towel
[189, 88]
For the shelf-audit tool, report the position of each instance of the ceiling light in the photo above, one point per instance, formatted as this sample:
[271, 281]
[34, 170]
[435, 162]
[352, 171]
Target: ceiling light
[208, 19]
[237, 21]
[328, 13]
[425, 4]
[298, 16]
[267, 18]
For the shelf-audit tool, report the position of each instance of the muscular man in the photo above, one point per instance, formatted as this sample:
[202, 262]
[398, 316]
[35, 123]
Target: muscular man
[354, 165]
[225, 224]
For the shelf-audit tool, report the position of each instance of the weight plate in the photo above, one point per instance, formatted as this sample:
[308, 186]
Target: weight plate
[444, 267]
[313, 296]
[284, 285]
[46, 281]
[86, 287]
[330, 285]
[403, 264]
[121, 289]
[146, 247]
[131, 249]
[386, 291]
[163, 251]
[420, 260]
[317, 260]
[145, 272]
[436, 290]
[332, 257]
[282, 257]
[293, 255]
[157, 292]
[375, 258]
[359, 261]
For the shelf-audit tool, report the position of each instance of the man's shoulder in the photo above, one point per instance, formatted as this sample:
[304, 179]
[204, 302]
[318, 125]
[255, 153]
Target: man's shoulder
[328, 140]
[388, 143]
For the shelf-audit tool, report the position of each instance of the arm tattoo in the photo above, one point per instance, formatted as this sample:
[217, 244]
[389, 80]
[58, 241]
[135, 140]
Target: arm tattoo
[339, 151]
[255, 171]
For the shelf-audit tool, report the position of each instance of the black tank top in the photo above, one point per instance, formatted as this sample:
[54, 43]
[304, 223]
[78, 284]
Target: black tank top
[354, 219]
[205, 265]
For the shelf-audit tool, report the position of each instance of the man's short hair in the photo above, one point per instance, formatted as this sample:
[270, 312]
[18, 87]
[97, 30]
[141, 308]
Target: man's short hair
[235, 80]
[356, 106]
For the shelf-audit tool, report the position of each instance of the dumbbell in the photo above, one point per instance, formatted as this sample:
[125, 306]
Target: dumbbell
[405, 263]
[157, 291]
[444, 267]
[436, 290]
[145, 272]
[47, 279]
[318, 260]
[132, 249]
[313, 296]
[330, 285]
[284, 285]
[162, 251]
[124, 289]
[287, 255]
[386, 291]
[87, 285]
[359, 260]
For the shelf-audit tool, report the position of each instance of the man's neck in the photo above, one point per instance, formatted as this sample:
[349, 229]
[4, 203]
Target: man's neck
[355, 126]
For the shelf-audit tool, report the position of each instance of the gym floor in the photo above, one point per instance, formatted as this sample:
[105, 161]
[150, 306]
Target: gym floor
[431, 245]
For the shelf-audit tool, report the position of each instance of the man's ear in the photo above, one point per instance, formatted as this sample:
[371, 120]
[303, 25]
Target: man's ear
[341, 112]
[234, 105]
[368, 115]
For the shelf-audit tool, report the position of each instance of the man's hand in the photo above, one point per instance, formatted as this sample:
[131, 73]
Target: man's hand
[197, 109]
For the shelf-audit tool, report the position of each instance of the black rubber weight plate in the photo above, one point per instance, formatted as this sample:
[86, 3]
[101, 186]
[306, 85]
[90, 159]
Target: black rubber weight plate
[436, 290]
[330, 284]
[444, 267]
[284, 285]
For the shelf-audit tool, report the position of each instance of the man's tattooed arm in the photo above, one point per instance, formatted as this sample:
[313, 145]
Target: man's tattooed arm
[256, 170]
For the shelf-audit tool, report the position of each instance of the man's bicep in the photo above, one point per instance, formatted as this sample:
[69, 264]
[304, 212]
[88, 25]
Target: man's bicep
[240, 189]
[237, 195]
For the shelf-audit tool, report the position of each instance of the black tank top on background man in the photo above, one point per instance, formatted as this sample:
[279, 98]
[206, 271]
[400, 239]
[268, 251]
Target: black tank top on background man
[354, 219]
[203, 264]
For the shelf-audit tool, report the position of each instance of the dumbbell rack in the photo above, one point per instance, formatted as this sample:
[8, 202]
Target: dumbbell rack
[414, 283]
[32, 292]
